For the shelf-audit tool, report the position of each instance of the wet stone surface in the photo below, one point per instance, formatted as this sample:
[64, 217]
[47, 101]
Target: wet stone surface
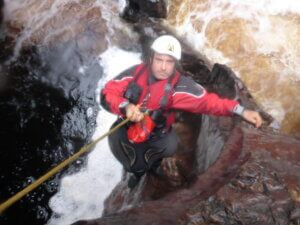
[136, 9]
[1, 11]
[45, 97]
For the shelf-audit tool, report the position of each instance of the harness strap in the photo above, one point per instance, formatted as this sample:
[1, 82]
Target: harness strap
[167, 89]
[163, 102]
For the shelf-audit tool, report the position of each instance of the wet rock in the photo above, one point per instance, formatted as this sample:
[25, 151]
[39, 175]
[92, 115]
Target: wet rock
[1, 11]
[81, 22]
[222, 81]
[48, 112]
[136, 9]
[266, 191]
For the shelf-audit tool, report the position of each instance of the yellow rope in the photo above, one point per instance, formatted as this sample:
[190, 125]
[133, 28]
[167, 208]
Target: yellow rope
[32, 186]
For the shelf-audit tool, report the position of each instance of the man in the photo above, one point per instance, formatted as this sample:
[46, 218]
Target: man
[158, 88]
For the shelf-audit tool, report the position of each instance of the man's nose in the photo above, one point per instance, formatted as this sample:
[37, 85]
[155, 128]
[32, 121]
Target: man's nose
[163, 65]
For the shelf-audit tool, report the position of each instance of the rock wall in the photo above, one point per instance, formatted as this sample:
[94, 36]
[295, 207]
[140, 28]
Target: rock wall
[266, 191]
[136, 9]
[1, 10]
[48, 112]
[53, 22]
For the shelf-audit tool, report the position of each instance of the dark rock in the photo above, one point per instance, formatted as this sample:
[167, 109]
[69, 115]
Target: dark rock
[136, 9]
[196, 68]
[131, 11]
[1, 11]
[48, 112]
[222, 81]
[266, 191]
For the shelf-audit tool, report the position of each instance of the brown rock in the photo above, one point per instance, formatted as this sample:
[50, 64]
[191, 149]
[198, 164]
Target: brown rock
[79, 21]
[263, 192]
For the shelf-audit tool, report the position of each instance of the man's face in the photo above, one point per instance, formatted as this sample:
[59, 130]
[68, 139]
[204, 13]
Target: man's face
[162, 66]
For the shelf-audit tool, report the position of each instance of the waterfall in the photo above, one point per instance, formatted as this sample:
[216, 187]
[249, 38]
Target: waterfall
[259, 40]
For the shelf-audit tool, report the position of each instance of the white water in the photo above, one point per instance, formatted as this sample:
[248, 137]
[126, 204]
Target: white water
[82, 194]
[258, 39]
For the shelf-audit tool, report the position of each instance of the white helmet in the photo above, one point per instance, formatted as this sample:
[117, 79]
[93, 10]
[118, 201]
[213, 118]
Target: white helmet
[167, 44]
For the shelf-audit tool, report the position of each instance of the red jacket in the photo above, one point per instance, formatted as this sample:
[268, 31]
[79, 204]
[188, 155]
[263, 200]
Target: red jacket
[186, 94]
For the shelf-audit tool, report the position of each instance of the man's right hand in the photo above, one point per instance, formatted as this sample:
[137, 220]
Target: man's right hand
[133, 113]
[252, 117]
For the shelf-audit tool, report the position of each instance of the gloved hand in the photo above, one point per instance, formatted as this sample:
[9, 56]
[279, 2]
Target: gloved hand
[133, 113]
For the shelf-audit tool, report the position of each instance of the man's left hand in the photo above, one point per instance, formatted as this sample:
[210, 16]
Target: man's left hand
[252, 117]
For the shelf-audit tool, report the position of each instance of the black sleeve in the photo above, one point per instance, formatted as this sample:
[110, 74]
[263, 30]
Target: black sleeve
[127, 73]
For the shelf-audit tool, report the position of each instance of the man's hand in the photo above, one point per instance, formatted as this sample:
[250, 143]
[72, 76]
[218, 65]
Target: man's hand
[133, 113]
[252, 117]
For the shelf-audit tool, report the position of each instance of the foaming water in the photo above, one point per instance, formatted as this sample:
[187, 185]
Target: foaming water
[81, 195]
[258, 39]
